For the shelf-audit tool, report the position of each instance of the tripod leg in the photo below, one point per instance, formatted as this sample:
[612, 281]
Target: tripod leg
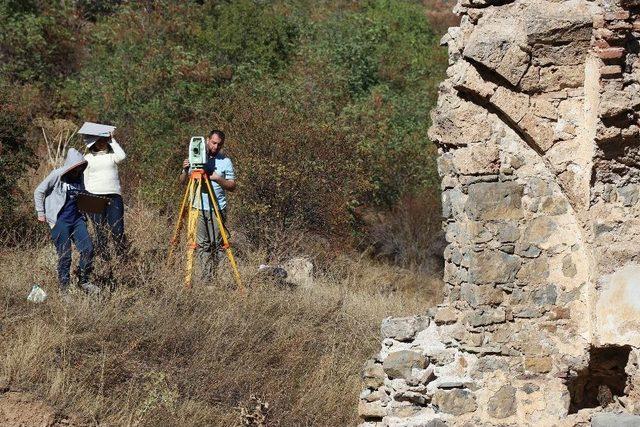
[223, 233]
[180, 220]
[192, 220]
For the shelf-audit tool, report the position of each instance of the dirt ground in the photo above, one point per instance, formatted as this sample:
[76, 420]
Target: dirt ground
[18, 409]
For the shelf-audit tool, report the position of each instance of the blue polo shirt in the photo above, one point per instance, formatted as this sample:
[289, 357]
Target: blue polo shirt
[222, 165]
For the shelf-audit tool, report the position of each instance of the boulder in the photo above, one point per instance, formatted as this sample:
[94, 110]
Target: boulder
[299, 272]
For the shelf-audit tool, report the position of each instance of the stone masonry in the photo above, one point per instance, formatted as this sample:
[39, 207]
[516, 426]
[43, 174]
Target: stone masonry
[537, 126]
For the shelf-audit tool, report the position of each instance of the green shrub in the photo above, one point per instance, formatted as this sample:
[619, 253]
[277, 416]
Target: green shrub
[38, 43]
[16, 157]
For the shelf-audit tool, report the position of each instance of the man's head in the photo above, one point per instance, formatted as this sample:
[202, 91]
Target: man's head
[215, 142]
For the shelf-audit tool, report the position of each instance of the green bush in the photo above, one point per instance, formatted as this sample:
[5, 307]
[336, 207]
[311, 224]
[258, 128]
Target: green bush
[16, 157]
[38, 44]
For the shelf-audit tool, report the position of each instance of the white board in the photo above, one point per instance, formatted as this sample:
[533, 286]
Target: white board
[96, 129]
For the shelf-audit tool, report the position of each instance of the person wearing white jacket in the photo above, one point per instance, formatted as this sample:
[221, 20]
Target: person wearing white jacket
[101, 178]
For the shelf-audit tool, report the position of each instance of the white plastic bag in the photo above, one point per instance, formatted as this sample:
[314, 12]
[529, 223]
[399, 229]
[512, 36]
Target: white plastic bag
[37, 294]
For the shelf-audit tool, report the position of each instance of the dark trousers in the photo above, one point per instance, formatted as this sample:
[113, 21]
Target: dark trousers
[110, 224]
[209, 248]
[62, 235]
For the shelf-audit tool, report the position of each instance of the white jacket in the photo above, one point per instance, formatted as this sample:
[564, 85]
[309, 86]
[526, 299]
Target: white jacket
[101, 174]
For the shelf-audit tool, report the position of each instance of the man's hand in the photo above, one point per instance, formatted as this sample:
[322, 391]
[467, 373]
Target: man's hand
[185, 163]
[216, 177]
[41, 218]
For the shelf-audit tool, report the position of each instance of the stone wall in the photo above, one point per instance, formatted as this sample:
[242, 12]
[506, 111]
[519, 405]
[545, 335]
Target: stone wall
[539, 154]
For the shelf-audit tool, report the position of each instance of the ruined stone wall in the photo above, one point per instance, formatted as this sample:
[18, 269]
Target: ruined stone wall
[537, 126]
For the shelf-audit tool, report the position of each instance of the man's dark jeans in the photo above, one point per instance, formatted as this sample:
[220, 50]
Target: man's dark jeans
[110, 223]
[62, 235]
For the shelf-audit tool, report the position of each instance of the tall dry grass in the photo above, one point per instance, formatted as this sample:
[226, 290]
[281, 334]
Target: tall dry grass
[151, 353]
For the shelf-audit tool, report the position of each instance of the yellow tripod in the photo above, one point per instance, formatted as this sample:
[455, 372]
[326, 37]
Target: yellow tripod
[197, 180]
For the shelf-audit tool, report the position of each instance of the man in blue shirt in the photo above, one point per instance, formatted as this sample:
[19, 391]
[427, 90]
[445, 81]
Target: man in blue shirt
[208, 238]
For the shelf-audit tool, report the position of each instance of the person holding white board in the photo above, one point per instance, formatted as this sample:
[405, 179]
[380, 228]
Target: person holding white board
[101, 178]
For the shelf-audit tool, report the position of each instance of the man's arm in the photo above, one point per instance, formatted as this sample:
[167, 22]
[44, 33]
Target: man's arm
[229, 182]
[226, 184]
[185, 171]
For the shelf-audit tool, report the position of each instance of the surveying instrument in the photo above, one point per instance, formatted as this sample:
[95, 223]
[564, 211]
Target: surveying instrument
[199, 184]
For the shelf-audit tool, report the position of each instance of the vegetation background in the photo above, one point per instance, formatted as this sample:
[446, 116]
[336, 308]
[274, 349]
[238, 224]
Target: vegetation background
[326, 107]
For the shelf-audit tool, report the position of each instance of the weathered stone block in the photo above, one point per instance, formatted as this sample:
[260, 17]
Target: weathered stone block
[629, 195]
[506, 231]
[494, 201]
[569, 267]
[477, 159]
[481, 294]
[513, 104]
[455, 402]
[538, 365]
[540, 230]
[456, 125]
[446, 315]
[485, 317]
[610, 53]
[554, 78]
[371, 410]
[539, 130]
[503, 403]
[556, 23]
[400, 363]
[411, 396]
[373, 374]
[490, 267]
[535, 271]
[403, 328]
[452, 202]
[496, 48]
[611, 71]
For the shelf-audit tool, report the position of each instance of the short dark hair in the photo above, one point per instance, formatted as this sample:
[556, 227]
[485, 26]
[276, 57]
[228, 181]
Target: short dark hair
[217, 132]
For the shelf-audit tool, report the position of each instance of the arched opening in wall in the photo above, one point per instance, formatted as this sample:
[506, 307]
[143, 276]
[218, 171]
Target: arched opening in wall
[604, 378]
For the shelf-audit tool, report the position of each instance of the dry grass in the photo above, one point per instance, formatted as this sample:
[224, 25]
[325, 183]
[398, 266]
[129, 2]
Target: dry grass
[151, 353]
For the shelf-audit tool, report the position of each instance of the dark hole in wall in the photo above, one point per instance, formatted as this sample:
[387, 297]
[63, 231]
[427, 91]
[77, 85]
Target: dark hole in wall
[604, 378]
